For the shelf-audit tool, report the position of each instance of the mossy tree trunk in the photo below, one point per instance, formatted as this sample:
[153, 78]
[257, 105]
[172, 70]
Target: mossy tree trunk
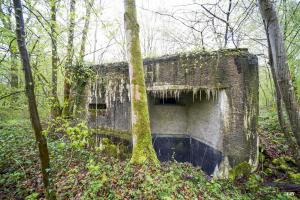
[141, 134]
[34, 115]
[281, 68]
[55, 106]
[69, 59]
[82, 85]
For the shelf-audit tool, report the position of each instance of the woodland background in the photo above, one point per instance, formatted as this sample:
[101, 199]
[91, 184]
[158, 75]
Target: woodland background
[61, 34]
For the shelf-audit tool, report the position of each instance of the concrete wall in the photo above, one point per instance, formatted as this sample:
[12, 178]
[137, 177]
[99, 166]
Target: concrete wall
[204, 121]
[117, 117]
[167, 119]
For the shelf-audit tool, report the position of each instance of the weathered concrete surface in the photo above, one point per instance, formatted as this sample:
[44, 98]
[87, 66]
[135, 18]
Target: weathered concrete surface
[211, 98]
[168, 119]
[204, 121]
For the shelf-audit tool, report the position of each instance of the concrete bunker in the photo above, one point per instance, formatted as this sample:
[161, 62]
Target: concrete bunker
[203, 106]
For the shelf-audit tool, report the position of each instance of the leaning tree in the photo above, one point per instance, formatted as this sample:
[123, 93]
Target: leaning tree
[34, 115]
[280, 64]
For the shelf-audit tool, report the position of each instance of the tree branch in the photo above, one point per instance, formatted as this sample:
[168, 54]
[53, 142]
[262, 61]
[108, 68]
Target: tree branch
[10, 94]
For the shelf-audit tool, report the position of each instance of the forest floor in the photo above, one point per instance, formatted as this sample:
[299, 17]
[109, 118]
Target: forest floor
[97, 173]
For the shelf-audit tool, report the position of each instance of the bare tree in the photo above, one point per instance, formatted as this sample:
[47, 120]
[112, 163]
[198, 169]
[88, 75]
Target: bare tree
[6, 21]
[227, 23]
[141, 134]
[81, 85]
[280, 113]
[34, 115]
[69, 59]
[55, 106]
[89, 5]
[281, 69]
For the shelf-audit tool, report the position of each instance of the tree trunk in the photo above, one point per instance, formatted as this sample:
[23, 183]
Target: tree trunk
[69, 59]
[14, 82]
[227, 24]
[280, 115]
[281, 68]
[34, 115]
[14, 79]
[89, 6]
[141, 134]
[283, 187]
[82, 85]
[55, 106]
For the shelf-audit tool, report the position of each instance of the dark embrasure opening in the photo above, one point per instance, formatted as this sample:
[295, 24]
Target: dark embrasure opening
[99, 106]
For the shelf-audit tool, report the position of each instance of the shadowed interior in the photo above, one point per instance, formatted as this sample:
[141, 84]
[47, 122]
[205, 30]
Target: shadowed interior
[187, 129]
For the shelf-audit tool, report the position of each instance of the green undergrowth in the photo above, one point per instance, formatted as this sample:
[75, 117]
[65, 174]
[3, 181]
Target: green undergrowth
[276, 162]
[98, 173]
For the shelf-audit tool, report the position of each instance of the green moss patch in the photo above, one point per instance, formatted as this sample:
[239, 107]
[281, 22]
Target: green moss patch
[125, 135]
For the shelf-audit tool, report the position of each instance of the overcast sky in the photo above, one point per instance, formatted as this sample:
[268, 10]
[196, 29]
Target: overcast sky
[167, 35]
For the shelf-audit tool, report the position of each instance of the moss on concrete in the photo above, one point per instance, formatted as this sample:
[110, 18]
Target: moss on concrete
[125, 135]
[243, 169]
